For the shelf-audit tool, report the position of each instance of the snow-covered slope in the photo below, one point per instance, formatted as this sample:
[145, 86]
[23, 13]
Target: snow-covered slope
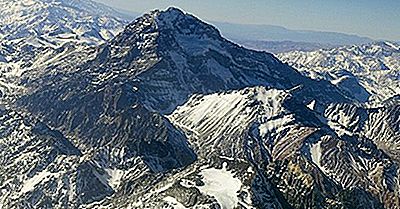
[210, 117]
[371, 72]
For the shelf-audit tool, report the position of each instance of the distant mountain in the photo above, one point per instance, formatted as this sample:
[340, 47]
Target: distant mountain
[371, 72]
[282, 46]
[54, 22]
[249, 32]
[95, 8]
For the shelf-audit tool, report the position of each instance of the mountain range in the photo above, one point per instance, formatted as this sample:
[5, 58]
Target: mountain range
[369, 71]
[165, 112]
[54, 22]
[277, 47]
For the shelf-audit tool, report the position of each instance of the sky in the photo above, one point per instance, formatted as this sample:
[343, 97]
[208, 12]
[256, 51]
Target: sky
[377, 19]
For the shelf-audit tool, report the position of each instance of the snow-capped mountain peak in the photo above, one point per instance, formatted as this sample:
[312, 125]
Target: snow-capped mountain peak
[173, 19]
[177, 20]
[161, 28]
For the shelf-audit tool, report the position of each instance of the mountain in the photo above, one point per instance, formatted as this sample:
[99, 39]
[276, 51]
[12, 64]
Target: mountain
[169, 114]
[249, 32]
[370, 71]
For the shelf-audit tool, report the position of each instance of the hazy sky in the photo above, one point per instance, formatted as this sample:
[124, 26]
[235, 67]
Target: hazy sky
[379, 19]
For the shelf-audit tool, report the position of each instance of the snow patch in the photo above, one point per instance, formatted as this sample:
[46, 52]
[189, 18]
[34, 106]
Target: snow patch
[115, 176]
[30, 184]
[221, 184]
[338, 80]
[272, 125]
[316, 154]
[174, 202]
[311, 105]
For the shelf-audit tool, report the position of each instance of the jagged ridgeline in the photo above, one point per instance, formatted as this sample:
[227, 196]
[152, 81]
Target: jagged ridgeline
[169, 114]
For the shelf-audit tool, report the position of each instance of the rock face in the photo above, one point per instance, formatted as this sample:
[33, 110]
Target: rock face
[168, 114]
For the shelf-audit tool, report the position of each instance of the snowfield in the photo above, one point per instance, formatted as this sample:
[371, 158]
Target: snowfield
[221, 184]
